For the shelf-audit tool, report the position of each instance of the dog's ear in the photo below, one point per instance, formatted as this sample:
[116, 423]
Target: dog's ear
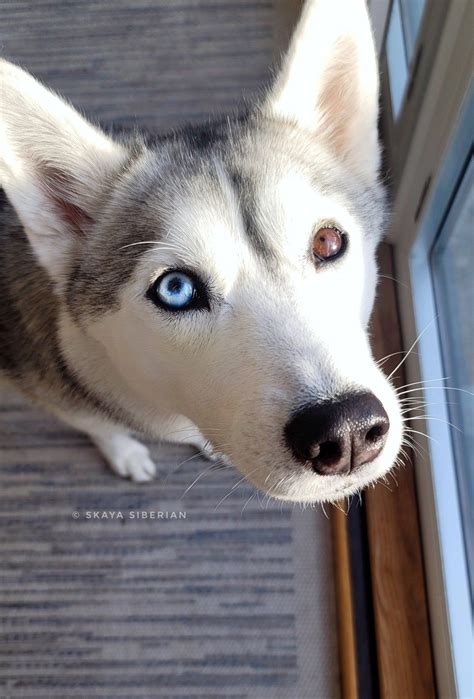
[53, 166]
[328, 82]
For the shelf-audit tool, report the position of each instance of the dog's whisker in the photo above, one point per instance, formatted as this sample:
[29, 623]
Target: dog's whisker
[404, 455]
[339, 507]
[198, 478]
[194, 427]
[435, 419]
[196, 432]
[415, 403]
[267, 496]
[417, 448]
[235, 486]
[229, 493]
[410, 430]
[269, 476]
[247, 502]
[411, 412]
[382, 361]
[155, 243]
[400, 364]
[439, 388]
[190, 458]
[410, 407]
[275, 486]
[424, 406]
[413, 406]
[422, 382]
[393, 279]
[393, 476]
[411, 399]
[384, 485]
[259, 499]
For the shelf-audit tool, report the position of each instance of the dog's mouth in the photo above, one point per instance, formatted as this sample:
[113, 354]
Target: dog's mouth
[306, 487]
[327, 450]
[298, 481]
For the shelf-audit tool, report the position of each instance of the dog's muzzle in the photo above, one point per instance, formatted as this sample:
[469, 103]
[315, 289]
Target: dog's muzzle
[335, 438]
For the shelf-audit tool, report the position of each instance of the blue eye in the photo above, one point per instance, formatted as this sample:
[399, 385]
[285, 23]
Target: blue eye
[175, 289]
[178, 291]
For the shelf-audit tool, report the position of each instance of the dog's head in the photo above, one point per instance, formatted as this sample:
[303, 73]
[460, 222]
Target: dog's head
[229, 274]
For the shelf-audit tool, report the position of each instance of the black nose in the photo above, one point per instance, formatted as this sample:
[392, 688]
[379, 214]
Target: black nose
[338, 436]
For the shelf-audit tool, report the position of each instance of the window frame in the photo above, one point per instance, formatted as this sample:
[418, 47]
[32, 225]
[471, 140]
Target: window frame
[442, 464]
[421, 171]
[398, 130]
[449, 319]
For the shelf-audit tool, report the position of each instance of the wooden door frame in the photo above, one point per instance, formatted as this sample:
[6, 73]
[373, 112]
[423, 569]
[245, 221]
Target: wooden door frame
[391, 616]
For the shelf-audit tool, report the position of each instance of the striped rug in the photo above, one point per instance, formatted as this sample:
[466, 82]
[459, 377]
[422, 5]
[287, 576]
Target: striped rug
[233, 597]
[162, 595]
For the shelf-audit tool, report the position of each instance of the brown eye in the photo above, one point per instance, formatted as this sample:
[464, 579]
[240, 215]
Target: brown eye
[327, 243]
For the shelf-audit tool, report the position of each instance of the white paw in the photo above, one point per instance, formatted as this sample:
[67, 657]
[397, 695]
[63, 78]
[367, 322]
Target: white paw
[135, 464]
[127, 457]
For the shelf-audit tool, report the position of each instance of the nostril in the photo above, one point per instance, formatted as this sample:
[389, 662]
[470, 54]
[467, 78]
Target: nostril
[367, 444]
[329, 453]
[333, 457]
[376, 432]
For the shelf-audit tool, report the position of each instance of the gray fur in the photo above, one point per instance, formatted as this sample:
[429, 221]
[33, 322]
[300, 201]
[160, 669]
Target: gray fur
[30, 355]
[248, 201]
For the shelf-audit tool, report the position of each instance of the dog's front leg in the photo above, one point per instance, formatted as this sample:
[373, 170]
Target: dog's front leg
[125, 455]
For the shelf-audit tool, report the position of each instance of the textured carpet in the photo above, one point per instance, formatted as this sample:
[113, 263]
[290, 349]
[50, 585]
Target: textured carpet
[154, 63]
[234, 599]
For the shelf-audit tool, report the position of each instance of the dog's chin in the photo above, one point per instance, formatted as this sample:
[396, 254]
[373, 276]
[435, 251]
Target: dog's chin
[313, 488]
[293, 482]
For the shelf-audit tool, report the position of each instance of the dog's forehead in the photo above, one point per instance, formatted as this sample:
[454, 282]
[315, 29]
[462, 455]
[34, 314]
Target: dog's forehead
[227, 215]
[275, 179]
[256, 199]
[255, 194]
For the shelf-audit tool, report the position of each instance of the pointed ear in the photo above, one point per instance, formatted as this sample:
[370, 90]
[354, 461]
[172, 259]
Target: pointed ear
[329, 84]
[53, 166]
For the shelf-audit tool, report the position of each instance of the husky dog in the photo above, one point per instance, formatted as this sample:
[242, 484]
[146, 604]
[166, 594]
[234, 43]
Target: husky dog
[212, 286]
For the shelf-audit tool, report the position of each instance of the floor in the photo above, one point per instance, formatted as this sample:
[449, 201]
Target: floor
[206, 596]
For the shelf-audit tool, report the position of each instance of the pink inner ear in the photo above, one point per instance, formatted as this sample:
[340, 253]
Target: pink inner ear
[339, 99]
[61, 189]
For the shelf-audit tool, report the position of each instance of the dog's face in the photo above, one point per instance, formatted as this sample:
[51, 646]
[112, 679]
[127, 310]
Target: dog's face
[230, 277]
